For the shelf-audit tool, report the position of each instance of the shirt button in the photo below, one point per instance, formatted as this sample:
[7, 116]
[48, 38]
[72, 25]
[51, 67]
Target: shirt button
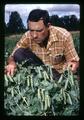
[50, 55]
[49, 48]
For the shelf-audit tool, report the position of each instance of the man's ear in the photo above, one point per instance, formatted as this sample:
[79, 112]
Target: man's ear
[49, 24]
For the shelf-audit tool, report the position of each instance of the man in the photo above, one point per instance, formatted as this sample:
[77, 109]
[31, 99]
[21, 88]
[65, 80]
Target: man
[44, 44]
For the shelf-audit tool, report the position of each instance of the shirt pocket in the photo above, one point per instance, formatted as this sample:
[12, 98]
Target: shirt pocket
[58, 58]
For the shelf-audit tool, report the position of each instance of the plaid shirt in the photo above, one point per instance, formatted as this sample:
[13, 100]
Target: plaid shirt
[60, 48]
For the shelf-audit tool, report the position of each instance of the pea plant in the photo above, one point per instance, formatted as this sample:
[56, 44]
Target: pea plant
[33, 91]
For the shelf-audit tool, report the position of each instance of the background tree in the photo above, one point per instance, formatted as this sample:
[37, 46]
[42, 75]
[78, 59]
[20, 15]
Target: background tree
[15, 24]
[74, 22]
[70, 22]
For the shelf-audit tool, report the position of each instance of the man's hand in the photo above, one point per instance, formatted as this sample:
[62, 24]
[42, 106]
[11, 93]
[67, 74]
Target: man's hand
[73, 66]
[11, 66]
[10, 69]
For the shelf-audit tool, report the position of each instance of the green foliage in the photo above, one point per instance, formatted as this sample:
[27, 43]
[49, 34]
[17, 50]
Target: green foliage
[32, 91]
[76, 38]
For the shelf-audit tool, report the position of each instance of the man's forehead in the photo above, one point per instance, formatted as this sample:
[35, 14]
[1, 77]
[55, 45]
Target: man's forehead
[36, 22]
[36, 25]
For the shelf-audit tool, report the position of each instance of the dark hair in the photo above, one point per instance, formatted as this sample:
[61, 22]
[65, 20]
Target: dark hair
[38, 14]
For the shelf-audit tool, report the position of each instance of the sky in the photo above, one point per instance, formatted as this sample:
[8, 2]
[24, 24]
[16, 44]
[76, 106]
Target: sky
[53, 9]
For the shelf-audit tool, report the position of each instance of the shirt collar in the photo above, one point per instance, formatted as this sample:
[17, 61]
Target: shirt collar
[52, 36]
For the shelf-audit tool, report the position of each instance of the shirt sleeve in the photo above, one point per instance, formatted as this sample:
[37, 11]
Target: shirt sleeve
[69, 49]
[22, 43]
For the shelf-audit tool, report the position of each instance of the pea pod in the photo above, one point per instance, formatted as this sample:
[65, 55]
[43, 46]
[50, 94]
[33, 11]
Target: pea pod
[66, 84]
[28, 81]
[10, 78]
[51, 74]
[32, 84]
[39, 96]
[48, 100]
[6, 80]
[19, 106]
[39, 71]
[42, 92]
[24, 99]
[60, 79]
[44, 75]
[61, 91]
[12, 92]
[64, 96]
[71, 78]
[42, 108]
[69, 99]
[46, 104]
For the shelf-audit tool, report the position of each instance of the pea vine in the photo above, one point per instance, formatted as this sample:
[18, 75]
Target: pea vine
[32, 91]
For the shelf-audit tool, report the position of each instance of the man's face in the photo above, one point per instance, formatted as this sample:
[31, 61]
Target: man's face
[38, 31]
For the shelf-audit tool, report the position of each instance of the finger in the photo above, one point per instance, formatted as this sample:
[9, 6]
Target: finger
[12, 72]
[8, 72]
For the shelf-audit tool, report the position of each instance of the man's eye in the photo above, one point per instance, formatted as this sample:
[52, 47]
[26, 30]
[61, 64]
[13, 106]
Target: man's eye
[36, 30]
[31, 30]
[39, 30]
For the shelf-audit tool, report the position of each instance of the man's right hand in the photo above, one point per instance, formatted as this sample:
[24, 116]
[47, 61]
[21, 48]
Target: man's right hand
[10, 69]
[11, 66]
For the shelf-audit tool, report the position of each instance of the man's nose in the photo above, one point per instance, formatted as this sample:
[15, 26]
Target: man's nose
[35, 34]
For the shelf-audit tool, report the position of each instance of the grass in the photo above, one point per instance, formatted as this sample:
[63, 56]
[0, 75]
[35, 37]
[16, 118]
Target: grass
[10, 41]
